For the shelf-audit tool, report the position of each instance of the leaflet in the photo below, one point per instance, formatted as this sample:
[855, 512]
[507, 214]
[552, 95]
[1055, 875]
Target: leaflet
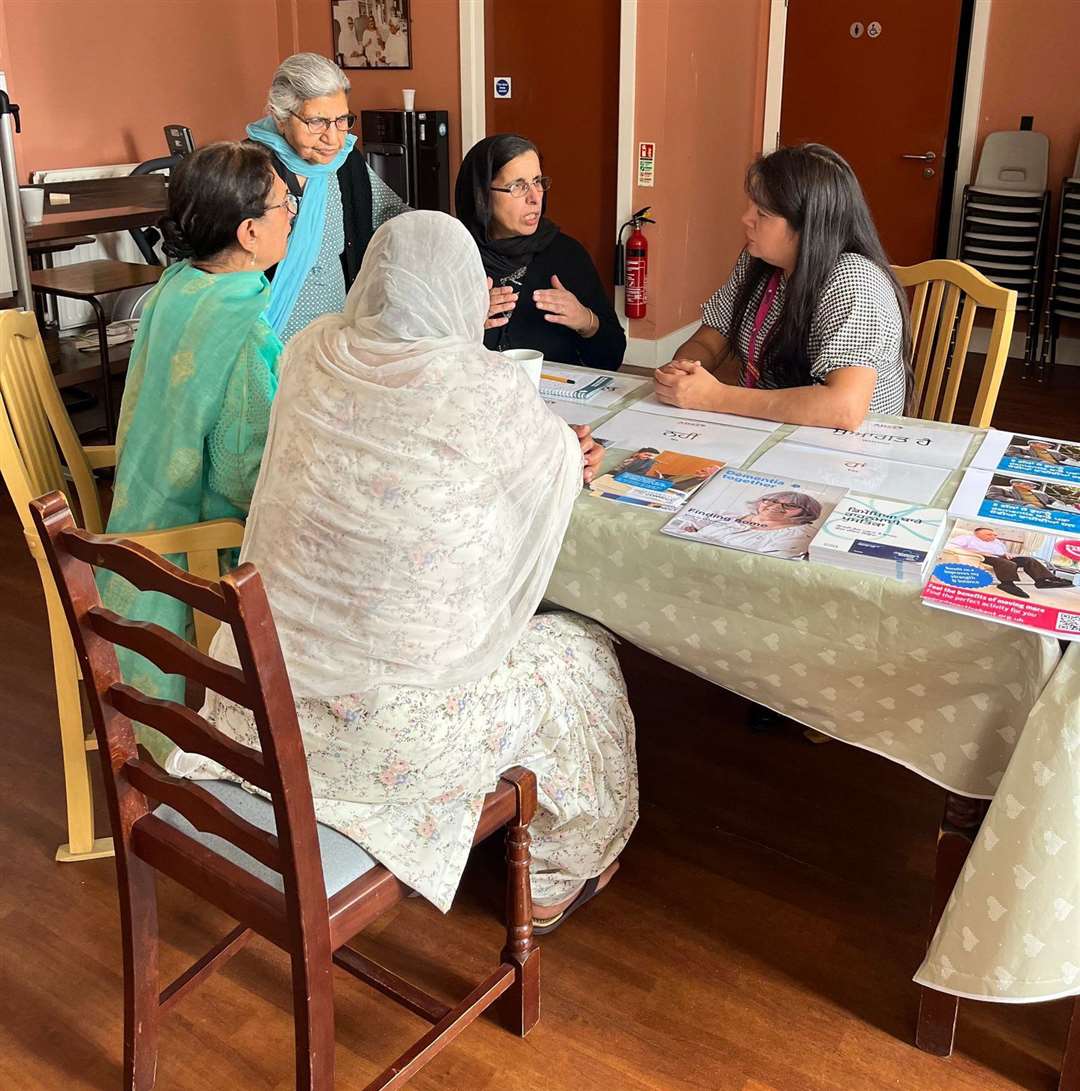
[1009, 575]
[652, 404]
[688, 434]
[863, 474]
[663, 480]
[1035, 456]
[903, 441]
[756, 513]
[1050, 506]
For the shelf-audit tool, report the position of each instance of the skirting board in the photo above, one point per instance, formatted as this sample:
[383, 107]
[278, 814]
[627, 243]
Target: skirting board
[1068, 348]
[645, 353]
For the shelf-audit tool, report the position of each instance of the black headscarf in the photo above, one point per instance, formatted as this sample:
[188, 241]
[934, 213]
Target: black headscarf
[472, 201]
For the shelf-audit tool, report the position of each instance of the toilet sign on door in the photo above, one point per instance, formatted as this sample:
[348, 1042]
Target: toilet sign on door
[502, 87]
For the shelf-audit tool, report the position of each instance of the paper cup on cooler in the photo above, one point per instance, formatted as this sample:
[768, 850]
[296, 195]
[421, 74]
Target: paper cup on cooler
[530, 359]
[408, 96]
[33, 204]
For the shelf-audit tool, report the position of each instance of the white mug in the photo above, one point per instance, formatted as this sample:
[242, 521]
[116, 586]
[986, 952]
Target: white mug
[408, 96]
[530, 359]
[33, 204]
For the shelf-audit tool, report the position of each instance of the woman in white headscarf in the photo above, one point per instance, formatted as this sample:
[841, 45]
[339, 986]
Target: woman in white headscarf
[412, 502]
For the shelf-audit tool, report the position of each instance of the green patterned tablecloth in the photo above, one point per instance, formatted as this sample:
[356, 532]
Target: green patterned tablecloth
[975, 707]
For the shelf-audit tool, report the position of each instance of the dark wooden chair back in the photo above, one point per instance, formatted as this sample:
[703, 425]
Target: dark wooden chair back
[299, 918]
[134, 785]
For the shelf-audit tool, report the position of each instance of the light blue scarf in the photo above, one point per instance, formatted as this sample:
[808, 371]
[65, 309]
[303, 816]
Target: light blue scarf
[307, 228]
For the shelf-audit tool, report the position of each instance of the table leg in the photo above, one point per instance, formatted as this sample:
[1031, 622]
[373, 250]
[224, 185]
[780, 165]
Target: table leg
[936, 1026]
[1070, 1061]
[106, 370]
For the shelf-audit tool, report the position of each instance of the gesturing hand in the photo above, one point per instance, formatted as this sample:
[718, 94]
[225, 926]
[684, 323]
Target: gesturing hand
[591, 452]
[501, 302]
[565, 309]
[686, 384]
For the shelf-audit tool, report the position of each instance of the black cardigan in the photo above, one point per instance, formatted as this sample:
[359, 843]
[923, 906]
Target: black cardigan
[355, 185]
[566, 258]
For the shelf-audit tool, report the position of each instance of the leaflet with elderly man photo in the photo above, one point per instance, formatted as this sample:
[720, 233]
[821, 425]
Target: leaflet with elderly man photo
[1011, 575]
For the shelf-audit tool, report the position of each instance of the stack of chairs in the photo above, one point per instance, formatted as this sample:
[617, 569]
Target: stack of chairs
[1004, 220]
[1063, 298]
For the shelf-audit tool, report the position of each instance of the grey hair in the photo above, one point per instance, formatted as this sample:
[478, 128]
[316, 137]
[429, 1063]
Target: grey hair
[811, 509]
[301, 77]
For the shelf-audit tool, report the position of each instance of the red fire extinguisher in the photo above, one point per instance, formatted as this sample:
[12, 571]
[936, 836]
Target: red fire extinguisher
[632, 265]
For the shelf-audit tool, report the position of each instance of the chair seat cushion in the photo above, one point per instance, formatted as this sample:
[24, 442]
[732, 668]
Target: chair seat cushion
[343, 860]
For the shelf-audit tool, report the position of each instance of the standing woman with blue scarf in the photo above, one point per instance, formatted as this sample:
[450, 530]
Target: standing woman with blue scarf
[342, 201]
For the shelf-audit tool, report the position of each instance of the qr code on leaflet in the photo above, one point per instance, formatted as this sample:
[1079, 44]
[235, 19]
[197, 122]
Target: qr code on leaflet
[1068, 623]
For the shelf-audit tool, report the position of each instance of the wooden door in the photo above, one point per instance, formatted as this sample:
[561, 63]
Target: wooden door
[563, 60]
[876, 94]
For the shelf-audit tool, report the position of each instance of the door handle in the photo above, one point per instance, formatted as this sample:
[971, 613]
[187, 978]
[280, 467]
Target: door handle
[929, 157]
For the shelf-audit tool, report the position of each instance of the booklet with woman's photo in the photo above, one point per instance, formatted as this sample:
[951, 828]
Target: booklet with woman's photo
[1052, 506]
[1034, 456]
[1010, 575]
[757, 513]
[651, 478]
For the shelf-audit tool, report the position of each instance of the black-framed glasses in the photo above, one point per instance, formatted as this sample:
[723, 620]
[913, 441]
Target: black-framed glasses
[319, 125]
[291, 202]
[519, 187]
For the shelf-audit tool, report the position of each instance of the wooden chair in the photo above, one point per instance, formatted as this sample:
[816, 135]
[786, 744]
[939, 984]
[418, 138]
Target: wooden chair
[306, 901]
[39, 453]
[940, 341]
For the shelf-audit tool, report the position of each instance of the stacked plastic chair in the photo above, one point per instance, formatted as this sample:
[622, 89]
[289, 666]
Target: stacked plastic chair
[1063, 300]
[1004, 220]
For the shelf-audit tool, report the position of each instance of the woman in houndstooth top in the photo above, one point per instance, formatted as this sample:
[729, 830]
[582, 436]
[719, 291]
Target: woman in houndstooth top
[811, 326]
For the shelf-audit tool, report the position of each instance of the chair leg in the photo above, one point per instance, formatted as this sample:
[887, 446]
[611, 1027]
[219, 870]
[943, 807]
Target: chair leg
[106, 368]
[936, 1027]
[313, 1014]
[139, 932]
[520, 1006]
[81, 843]
[1070, 1060]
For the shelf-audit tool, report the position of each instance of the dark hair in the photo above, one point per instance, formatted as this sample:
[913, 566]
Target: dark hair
[472, 193]
[211, 192]
[815, 190]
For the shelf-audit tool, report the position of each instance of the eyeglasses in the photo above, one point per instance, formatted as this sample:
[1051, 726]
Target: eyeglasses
[291, 202]
[319, 125]
[519, 187]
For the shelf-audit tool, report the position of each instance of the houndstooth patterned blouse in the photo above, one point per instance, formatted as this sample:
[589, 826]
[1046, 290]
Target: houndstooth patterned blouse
[857, 323]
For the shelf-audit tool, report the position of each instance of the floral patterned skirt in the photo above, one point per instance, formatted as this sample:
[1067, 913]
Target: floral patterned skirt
[403, 771]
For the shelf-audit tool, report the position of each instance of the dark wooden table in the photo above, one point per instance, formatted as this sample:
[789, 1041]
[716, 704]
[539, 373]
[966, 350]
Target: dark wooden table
[98, 205]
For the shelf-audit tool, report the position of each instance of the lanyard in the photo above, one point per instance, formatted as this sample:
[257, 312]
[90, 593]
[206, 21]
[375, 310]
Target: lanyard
[752, 373]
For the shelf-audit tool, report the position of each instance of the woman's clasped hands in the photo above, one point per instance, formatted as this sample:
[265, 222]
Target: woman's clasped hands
[688, 385]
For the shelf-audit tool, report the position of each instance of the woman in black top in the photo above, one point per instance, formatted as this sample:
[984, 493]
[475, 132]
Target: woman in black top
[545, 291]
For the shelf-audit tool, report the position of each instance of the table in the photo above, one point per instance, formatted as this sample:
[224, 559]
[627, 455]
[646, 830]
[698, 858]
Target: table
[984, 710]
[99, 205]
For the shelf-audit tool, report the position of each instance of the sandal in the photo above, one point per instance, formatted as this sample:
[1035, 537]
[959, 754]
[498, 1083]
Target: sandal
[541, 927]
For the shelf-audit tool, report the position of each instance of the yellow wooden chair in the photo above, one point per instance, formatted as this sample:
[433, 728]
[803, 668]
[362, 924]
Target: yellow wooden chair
[40, 452]
[941, 340]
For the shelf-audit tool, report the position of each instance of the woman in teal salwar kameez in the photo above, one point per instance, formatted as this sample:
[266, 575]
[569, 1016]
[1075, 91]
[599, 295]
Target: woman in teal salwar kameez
[203, 374]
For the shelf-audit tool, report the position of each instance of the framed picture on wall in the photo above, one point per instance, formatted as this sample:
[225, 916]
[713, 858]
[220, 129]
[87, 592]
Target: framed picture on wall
[372, 33]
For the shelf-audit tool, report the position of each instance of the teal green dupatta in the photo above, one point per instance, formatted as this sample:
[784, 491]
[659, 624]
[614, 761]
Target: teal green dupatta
[193, 424]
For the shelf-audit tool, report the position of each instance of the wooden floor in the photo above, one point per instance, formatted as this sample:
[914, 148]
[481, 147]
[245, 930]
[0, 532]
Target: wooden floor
[761, 935]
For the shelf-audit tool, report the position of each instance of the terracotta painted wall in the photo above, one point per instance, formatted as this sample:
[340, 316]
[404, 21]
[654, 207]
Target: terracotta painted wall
[1032, 68]
[700, 97]
[435, 75]
[97, 79]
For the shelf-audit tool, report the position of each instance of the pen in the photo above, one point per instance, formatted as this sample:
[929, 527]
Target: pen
[558, 379]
